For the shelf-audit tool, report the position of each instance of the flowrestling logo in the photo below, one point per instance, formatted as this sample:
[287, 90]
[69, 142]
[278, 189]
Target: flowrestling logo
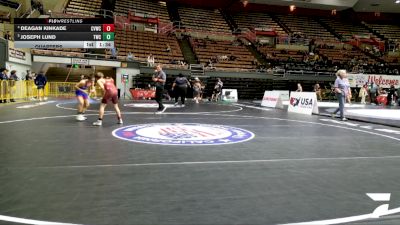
[301, 102]
[183, 134]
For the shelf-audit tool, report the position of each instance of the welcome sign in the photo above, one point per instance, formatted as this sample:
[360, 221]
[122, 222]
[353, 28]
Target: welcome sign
[384, 81]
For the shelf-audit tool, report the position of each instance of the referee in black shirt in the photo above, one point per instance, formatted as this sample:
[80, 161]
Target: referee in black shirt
[159, 78]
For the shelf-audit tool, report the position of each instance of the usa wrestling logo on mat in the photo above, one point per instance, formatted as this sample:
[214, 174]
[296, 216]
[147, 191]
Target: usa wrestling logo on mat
[183, 134]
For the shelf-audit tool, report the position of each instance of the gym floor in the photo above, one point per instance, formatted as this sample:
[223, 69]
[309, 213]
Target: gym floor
[280, 168]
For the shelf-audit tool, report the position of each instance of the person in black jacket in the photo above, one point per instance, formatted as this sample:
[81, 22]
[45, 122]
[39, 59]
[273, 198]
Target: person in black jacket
[391, 95]
[40, 82]
[180, 87]
[7, 35]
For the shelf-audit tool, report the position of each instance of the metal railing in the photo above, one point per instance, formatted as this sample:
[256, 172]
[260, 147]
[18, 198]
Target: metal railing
[14, 90]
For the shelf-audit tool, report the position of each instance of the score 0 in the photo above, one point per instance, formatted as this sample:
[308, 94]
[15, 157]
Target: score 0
[108, 27]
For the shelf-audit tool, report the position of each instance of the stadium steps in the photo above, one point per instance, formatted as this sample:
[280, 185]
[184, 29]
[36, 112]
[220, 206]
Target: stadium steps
[280, 23]
[108, 4]
[330, 29]
[187, 52]
[173, 12]
[258, 55]
[229, 20]
[379, 35]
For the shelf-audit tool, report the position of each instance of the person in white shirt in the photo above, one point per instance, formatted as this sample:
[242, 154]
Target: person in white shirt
[150, 60]
[299, 88]
[130, 57]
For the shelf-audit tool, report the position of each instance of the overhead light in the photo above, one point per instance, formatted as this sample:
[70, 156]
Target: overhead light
[397, 1]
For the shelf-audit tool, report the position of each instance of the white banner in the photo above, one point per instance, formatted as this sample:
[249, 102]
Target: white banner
[229, 95]
[285, 94]
[303, 103]
[80, 61]
[384, 81]
[272, 99]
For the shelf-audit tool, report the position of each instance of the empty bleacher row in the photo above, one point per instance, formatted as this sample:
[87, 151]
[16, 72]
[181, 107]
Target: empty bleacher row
[283, 56]
[391, 32]
[141, 44]
[153, 7]
[11, 4]
[4, 17]
[251, 20]
[306, 27]
[84, 8]
[347, 30]
[321, 60]
[225, 55]
[203, 19]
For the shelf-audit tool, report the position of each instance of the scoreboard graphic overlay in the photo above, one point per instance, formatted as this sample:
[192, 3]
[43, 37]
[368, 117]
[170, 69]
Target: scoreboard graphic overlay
[64, 33]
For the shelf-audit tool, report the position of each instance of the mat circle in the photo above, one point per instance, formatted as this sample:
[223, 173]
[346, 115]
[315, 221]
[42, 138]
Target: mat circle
[183, 134]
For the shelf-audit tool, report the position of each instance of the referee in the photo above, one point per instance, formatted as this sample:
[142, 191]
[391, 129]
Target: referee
[159, 78]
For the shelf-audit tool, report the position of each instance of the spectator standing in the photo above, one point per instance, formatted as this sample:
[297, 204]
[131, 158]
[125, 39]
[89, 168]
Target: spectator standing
[317, 90]
[342, 89]
[40, 82]
[29, 84]
[363, 93]
[349, 95]
[217, 90]
[7, 35]
[197, 90]
[391, 95]
[372, 93]
[12, 82]
[130, 57]
[114, 53]
[3, 85]
[398, 96]
[150, 60]
[299, 88]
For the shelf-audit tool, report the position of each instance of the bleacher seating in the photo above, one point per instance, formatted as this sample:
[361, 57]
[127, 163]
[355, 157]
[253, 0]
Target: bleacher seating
[393, 61]
[141, 44]
[143, 6]
[70, 52]
[347, 29]
[84, 8]
[210, 49]
[252, 20]
[203, 19]
[307, 27]
[4, 17]
[345, 55]
[11, 4]
[276, 55]
[391, 32]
